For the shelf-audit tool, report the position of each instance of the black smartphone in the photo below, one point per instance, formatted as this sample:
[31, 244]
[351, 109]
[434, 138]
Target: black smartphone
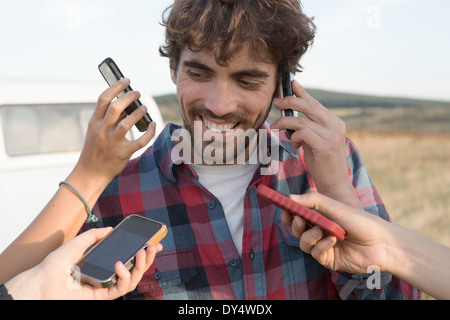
[134, 233]
[285, 91]
[111, 72]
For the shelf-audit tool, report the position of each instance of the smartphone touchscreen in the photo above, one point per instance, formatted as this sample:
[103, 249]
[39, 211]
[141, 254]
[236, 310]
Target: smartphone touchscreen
[96, 267]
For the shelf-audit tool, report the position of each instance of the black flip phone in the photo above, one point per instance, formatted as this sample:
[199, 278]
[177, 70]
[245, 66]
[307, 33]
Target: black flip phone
[111, 72]
[285, 91]
[135, 232]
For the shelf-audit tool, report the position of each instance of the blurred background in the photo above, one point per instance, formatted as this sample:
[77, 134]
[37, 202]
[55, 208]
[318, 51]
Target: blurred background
[381, 65]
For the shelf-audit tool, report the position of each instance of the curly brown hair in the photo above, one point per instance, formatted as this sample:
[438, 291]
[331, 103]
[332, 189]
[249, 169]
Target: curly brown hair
[276, 31]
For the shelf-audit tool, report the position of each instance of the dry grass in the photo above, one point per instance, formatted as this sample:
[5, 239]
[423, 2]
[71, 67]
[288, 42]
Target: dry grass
[411, 173]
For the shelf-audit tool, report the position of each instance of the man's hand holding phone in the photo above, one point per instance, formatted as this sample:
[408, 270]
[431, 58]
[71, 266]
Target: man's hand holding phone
[323, 138]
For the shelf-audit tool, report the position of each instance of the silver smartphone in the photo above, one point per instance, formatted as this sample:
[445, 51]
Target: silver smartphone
[111, 72]
[134, 233]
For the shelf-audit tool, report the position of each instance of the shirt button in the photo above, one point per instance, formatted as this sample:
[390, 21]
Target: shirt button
[211, 204]
[157, 275]
[234, 263]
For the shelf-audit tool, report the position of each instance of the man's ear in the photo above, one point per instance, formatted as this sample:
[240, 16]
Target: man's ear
[173, 72]
[278, 89]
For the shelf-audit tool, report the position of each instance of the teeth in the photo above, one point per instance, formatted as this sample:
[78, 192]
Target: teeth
[218, 128]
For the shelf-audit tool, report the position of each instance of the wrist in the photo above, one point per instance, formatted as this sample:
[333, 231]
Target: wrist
[344, 193]
[399, 260]
[89, 185]
[25, 286]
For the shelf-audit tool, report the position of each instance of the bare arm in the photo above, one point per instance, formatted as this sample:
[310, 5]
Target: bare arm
[421, 262]
[105, 153]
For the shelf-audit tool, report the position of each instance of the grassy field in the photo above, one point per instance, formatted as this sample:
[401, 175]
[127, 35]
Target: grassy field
[405, 145]
[411, 173]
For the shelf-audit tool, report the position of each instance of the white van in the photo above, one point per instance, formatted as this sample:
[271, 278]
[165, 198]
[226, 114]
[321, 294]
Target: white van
[40, 141]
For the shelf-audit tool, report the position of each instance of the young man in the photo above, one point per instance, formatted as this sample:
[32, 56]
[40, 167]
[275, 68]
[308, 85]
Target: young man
[224, 241]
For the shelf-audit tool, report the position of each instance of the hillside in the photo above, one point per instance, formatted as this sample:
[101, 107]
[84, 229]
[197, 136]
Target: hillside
[333, 99]
[361, 112]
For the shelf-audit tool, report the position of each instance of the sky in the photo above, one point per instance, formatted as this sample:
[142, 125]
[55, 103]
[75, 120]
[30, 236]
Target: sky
[395, 48]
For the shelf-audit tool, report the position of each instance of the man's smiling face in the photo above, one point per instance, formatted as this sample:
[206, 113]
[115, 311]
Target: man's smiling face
[226, 101]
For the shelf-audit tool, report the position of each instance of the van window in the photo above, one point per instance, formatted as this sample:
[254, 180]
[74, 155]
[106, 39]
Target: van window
[35, 129]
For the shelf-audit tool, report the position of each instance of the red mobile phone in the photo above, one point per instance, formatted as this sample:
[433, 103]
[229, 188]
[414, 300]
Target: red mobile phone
[309, 215]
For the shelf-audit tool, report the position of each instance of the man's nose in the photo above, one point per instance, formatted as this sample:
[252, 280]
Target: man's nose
[221, 99]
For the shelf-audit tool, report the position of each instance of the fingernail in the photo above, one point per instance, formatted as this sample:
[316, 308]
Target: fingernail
[121, 265]
[317, 232]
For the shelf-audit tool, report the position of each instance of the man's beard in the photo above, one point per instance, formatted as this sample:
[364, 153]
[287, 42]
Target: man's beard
[240, 145]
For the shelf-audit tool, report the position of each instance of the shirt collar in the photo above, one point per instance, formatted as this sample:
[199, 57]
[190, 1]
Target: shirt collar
[280, 139]
[167, 160]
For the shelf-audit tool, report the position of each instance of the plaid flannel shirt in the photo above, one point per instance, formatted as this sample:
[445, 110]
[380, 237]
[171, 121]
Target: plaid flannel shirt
[200, 261]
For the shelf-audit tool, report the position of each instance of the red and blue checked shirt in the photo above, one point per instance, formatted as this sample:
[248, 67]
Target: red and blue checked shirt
[200, 260]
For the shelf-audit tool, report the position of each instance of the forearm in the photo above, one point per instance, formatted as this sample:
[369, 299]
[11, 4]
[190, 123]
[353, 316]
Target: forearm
[59, 221]
[420, 262]
[345, 193]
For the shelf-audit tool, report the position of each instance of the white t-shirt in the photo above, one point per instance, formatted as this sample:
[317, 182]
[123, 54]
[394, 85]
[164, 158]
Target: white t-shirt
[229, 185]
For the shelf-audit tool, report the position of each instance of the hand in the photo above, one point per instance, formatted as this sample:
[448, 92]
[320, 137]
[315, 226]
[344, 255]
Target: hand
[323, 138]
[365, 244]
[52, 280]
[107, 150]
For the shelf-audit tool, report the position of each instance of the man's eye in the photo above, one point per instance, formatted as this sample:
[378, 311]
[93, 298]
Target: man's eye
[249, 84]
[195, 75]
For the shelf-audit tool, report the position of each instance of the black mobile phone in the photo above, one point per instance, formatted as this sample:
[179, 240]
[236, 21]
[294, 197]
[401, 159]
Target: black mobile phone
[286, 90]
[135, 232]
[111, 72]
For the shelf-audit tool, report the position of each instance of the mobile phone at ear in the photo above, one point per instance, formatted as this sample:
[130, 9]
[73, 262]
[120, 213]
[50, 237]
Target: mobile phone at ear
[285, 91]
[111, 72]
[134, 233]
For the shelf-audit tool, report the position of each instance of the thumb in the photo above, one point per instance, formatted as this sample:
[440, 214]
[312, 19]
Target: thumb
[330, 208]
[78, 245]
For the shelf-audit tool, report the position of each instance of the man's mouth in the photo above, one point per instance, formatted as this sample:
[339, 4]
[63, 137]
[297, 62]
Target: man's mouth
[219, 127]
